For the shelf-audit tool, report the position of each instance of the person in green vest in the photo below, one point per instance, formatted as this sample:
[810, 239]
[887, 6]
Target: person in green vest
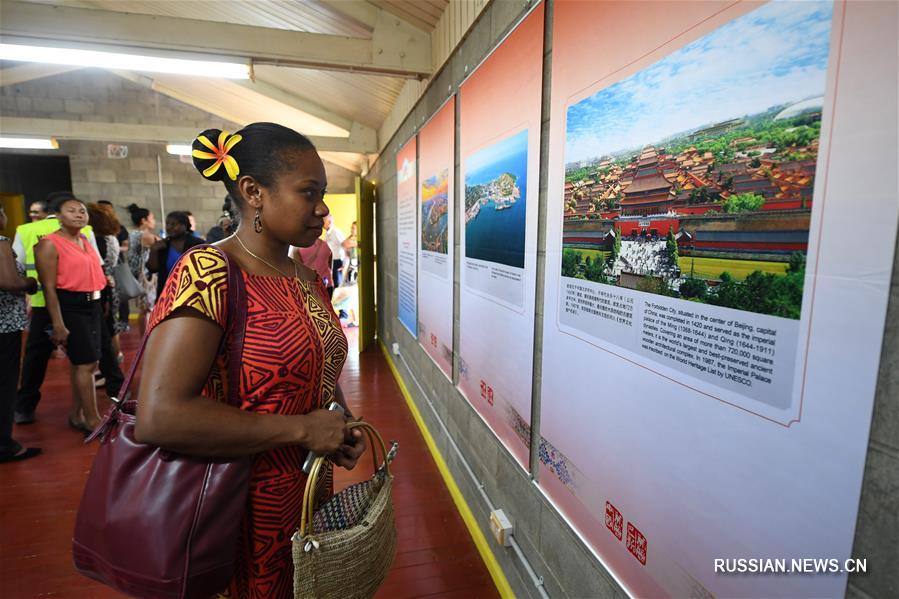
[38, 346]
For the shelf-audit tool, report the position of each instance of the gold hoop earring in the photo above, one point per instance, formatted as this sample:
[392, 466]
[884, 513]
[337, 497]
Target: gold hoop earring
[257, 222]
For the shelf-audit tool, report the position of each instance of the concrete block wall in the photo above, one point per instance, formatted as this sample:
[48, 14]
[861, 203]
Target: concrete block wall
[567, 566]
[96, 95]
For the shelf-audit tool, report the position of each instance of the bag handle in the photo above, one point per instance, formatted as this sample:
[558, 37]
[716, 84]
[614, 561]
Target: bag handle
[234, 334]
[311, 482]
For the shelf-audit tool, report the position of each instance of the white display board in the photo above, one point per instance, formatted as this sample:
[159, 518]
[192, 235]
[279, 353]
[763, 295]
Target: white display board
[499, 153]
[407, 235]
[437, 151]
[722, 223]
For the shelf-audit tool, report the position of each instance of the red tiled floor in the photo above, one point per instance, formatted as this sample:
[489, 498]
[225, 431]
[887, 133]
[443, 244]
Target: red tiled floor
[38, 497]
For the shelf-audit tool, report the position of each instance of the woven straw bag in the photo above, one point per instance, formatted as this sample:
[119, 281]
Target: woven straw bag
[346, 547]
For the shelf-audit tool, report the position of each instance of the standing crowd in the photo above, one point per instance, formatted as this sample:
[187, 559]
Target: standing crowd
[82, 271]
[68, 277]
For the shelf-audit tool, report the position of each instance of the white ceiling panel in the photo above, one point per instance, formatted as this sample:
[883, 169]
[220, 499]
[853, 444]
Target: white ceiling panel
[366, 99]
[292, 15]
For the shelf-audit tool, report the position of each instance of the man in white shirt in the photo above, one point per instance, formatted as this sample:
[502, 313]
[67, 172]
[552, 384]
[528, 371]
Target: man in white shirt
[334, 237]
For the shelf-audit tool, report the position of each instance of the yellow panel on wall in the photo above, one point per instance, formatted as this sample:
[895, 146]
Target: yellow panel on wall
[14, 206]
[343, 209]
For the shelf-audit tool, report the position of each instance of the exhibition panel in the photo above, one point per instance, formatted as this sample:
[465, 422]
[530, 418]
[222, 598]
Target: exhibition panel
[713, 318]
[499, 155]
[436, 160]
[407, 234]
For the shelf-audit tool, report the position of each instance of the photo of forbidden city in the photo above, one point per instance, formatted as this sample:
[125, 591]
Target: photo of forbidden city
[713, 212]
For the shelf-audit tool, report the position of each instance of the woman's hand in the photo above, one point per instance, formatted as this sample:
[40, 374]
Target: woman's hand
[32, 286]
[59, 335]
[348, 453]
[148, 239]
[325, 432]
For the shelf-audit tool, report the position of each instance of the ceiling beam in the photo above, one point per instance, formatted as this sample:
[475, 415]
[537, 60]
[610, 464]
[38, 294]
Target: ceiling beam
[409, 56]
[31, 71]
[359, 10]
[129, 132]
[301, 104]
[361, 139]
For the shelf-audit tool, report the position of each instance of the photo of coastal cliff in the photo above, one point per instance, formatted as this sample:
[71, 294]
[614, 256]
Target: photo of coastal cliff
[694, 178]
[495, 198]
[434, 217]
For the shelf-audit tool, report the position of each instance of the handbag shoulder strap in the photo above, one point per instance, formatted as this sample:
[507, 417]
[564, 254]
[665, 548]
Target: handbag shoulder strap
[234, 334]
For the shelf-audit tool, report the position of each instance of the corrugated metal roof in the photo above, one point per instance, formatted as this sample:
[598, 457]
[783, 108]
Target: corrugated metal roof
[362, 98]
[292, 15]
[421, 13]
[366, 99]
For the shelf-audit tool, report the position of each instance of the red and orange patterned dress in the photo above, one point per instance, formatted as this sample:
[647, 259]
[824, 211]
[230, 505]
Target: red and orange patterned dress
[294, 350]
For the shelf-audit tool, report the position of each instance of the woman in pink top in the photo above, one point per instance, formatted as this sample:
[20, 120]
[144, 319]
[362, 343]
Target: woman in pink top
[317, 257]
[71, 274]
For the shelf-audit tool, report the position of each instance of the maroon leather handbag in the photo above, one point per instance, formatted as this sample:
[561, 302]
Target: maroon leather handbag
[157, 524]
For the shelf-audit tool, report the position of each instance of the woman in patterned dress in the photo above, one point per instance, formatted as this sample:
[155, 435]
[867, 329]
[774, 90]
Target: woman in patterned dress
[293, 351]
[13, 320]
[139, 242]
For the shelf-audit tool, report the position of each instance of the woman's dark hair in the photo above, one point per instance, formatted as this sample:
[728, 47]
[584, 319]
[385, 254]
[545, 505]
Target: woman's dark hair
[103, 219]
[137, 213]
[56, 199]
[260, 152]
[180, 216]
[42, 204]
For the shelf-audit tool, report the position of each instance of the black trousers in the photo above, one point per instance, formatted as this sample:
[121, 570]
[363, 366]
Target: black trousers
[38, 349]
[37, 353]
[10, 349]
[336, 273]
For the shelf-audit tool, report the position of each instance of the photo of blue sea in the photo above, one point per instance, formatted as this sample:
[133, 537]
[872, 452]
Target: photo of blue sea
[495, 201]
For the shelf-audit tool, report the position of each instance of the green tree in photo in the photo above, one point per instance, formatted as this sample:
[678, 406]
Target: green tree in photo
[671, 248]
[594, 270]
[694, 289]
[797, 263]
[743, 202]
[616, 247]
[571, 263]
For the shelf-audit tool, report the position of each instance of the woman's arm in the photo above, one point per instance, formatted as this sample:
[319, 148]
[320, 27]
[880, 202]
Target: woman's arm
[47, 261]
[154, 261]
[9, 276]
[172, 414]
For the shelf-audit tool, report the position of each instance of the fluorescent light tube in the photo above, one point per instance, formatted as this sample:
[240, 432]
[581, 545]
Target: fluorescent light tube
[178, 150]
[128, 62]
[28, 143]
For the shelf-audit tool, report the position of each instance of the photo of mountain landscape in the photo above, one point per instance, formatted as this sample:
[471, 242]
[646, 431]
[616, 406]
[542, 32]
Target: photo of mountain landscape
[434, 196]
[495, 201]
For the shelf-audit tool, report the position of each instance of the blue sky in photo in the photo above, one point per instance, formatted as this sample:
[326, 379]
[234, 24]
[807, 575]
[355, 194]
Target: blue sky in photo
[776, 54]
[501, 150]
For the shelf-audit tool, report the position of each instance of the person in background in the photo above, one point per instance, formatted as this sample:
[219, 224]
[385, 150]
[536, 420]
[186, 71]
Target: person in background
[165, 253]
[193, 224]
[106, 225]
[71, 273]
[124, 309]
[227, 223]
[335, 238]
[317, 257]
[13, 319]
[139, 241]
[38, 347]
[351, 251]
[38, 210]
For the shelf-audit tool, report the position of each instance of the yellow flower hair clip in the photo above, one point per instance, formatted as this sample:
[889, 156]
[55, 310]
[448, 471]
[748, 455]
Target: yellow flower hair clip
[219, 153]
